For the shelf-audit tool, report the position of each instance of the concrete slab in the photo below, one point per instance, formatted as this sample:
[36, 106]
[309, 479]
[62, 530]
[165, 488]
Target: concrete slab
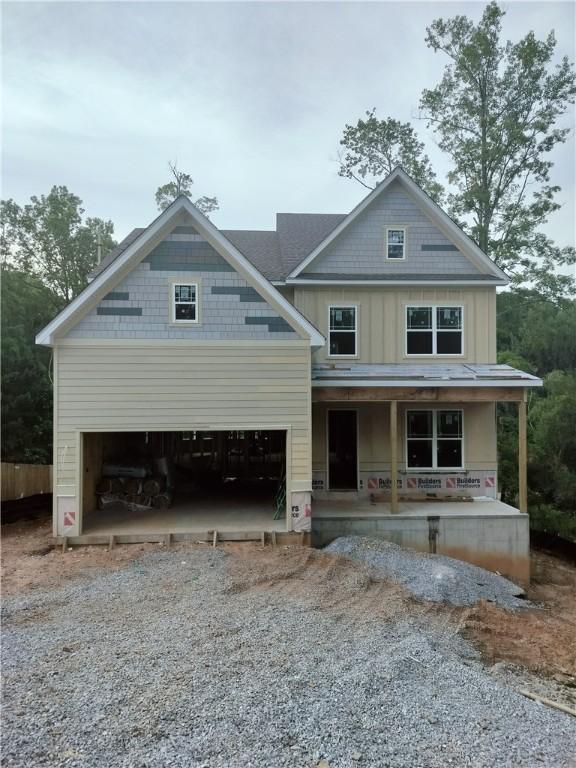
[221, 514]
[353, 508]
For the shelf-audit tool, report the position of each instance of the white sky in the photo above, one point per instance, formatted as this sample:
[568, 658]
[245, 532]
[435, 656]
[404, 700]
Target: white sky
[250, 98]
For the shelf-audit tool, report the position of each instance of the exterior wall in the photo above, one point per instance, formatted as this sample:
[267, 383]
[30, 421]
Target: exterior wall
[497, 543]
[139, 307]
[176, 385]
[480, 452]
[360, 249]
[381, 320]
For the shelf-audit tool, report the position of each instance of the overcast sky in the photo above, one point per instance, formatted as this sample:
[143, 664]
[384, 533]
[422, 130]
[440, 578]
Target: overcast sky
[250, 98]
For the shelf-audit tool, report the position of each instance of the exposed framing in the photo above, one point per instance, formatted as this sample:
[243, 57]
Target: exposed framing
[434, 438]
[434, 330]
[355, 331]
[79, 437]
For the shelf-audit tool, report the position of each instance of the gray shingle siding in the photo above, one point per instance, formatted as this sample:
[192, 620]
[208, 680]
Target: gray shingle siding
[361, 247]
[229, 308]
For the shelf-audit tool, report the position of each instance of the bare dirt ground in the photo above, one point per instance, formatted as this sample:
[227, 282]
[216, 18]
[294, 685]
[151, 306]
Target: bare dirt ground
[540, 640]
[30, 558]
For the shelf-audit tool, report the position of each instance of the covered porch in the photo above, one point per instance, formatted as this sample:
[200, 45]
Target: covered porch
[413, 433]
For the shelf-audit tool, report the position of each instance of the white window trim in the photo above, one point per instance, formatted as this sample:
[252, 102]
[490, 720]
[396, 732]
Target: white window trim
[434, 330]
[391, 228]
[183, 281]
[434, 438]
[355, 331]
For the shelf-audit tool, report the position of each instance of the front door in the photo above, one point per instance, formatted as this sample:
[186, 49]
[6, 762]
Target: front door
[342, 450]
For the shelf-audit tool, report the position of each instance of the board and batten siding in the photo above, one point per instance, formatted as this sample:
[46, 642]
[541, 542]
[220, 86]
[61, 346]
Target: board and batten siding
[123, 386]
[381, 320]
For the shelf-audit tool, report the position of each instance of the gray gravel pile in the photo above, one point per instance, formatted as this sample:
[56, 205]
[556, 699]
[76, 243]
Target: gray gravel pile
[162, 665]
[436, 578]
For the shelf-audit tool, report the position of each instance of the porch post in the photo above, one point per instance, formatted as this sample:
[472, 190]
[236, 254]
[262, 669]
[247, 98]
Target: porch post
[394, 456]
[522, 455]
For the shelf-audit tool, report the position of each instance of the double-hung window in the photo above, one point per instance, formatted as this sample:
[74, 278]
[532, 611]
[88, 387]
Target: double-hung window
[342, 331]
[433, 330]
[434, 439]
[395, 242]
[185, 302]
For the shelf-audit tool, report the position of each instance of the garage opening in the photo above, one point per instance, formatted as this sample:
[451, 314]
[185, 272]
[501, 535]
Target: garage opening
[184, 481]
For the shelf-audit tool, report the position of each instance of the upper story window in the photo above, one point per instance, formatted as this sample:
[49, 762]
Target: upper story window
[434, 439]
[434, 330]
[342, 331]
[185, 302]
[395, 242]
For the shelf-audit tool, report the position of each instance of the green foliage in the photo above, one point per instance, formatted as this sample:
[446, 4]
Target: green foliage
[544, 517]
[182, 185]
[495, 113]
[539, 336]
[541, 331]
[27, 305]
[373, 148]
[51, 239]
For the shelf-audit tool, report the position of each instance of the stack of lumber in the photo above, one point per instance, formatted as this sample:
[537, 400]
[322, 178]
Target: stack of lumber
[134, 492]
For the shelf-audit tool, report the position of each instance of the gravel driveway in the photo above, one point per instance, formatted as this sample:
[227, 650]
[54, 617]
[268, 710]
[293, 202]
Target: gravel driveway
[202, 658]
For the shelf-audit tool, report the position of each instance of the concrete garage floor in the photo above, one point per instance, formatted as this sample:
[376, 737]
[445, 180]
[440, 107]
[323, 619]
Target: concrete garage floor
[365, 508]
[198, 516]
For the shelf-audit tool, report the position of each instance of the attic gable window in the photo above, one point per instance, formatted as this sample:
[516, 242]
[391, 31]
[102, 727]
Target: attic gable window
[185, 302]
[395, 242]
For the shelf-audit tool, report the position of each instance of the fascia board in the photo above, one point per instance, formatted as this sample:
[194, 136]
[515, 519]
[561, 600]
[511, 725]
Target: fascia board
[368, 283]
[428, 384]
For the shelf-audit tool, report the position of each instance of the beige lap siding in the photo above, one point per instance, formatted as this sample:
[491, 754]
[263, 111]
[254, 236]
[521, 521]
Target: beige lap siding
[171, 386]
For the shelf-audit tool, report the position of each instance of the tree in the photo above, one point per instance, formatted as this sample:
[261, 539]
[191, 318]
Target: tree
[373, 148]
[495, 112]
[182, 185]
[27, 306]
[49, 238]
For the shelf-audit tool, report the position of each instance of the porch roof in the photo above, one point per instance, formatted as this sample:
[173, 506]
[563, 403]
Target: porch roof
[420, 375]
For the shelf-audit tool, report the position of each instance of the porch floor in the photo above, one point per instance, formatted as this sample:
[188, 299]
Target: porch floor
[365, 508]
[203, 515]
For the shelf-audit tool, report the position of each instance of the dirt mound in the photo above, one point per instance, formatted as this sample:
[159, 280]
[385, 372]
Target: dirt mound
[324, 581]
[541, 639]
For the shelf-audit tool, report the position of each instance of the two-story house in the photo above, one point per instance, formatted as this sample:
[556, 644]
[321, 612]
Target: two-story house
[336, 374]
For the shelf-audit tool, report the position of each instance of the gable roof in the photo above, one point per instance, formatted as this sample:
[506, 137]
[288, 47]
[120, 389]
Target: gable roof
[274, 253]
[131, 253]
[280, 255]
[428, 206]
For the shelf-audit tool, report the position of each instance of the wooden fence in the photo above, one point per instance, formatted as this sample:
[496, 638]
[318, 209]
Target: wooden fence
[21, 480]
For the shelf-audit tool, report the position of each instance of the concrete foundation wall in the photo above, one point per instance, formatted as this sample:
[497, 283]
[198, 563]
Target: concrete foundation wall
[496, 543]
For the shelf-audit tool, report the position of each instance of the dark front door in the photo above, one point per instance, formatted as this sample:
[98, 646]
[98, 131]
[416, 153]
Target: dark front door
[342, 450]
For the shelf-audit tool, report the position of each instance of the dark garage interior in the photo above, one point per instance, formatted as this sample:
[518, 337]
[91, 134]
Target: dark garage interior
[184, 480]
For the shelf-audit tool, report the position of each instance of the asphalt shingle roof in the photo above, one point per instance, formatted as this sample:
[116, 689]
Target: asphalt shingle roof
[275, 253]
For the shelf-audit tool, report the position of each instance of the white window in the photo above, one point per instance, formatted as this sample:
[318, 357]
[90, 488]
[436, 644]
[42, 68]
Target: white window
[434, 439]
[395, 242]
[342, 331]
[434, 330]
[185, 302]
